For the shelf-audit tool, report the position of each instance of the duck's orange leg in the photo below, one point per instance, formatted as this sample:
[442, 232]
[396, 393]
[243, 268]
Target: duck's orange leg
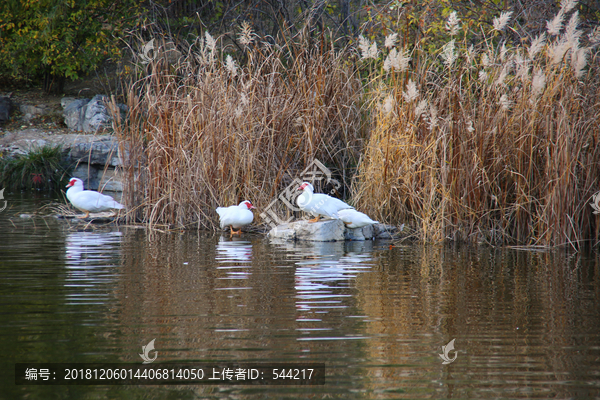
[315, 219]
[238, 232]
[87, 214]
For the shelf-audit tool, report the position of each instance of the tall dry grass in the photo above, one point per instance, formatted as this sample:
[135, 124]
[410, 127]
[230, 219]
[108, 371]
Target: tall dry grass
[204, 131]
[493, 142]
[488, 140]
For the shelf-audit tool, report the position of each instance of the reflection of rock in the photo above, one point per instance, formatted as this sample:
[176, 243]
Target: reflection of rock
[329, 231]
[311, 252]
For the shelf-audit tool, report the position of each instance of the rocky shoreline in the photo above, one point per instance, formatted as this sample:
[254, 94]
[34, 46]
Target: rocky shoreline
[80, 126]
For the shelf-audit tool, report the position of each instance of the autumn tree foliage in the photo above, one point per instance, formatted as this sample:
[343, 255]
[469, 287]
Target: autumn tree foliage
[50, 40]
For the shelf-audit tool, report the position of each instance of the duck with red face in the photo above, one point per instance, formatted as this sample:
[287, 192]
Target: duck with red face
[236, 216]
[89, 200]
[319, 204]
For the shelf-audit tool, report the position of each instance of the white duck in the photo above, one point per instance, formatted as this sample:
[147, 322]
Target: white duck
[89, 200]
[355, 219]
[319, 204]
[236, 216]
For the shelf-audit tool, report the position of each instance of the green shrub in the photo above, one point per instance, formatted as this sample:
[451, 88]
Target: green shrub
[56, 39]
[42, 168]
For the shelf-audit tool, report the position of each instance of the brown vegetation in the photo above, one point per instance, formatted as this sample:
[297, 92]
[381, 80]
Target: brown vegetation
[496, 142]
[492, 143]
[209, 133]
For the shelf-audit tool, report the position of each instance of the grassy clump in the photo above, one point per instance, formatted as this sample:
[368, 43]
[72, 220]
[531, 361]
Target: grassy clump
[41, 168]
[493, 142]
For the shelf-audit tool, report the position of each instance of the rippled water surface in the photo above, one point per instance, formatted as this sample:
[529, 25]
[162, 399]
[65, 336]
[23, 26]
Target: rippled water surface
[526, 324]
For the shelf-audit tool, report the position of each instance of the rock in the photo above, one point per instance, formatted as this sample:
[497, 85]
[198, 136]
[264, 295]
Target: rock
[89, 115]
[65, 101]
[282, 232]
[12, 151]
[96, 114]
[96, 177]
[31, 111]
[6, 107]
[383, 231]
[322, 231]
[98, 163]
[359, 233]
[330, 230]
[104, 151]
[111, 180]
[74, 114]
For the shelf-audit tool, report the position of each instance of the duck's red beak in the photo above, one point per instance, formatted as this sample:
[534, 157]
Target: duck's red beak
[71, 183]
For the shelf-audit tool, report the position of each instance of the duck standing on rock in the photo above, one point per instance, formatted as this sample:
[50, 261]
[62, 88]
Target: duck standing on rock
[355, 219]
[89, 200]
[319, 204]
[236, 216]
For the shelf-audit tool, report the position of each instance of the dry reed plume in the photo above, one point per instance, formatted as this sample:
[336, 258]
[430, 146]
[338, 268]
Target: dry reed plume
[205, 131]
[494, 142]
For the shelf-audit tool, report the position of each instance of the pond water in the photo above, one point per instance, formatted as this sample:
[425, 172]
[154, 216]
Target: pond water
[526, 324]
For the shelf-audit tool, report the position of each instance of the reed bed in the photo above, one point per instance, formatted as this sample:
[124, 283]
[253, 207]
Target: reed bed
[204, 131]
[490, 139]
[492, 142]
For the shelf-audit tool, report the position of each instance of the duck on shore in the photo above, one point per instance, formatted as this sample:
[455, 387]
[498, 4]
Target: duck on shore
[319, 204]
[236, 216]
[89, 200]
[355, 219]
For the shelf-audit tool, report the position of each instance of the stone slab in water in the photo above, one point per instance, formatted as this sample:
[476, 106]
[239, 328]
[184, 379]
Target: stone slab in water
[329, 231]
[322, 231]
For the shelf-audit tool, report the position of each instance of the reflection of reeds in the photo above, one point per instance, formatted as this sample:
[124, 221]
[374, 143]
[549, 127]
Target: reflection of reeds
[489, 143]
[204, 132]
[502, 306]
